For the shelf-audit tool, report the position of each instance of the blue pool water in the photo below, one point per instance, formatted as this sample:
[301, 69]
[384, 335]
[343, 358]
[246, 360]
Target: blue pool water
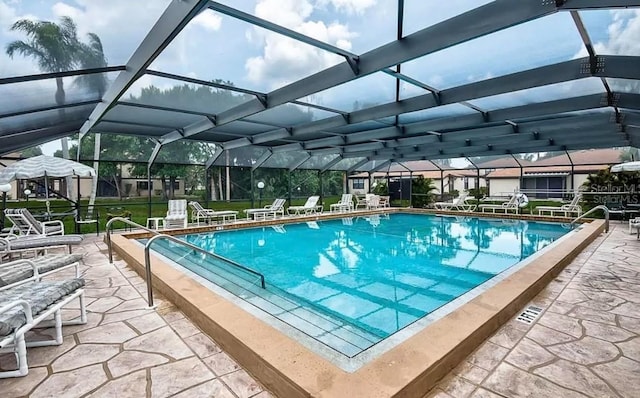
[371, 276]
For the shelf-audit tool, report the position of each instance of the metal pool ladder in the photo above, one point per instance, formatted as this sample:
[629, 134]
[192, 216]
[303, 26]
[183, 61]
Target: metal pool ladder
[158, 236]
[604, 209]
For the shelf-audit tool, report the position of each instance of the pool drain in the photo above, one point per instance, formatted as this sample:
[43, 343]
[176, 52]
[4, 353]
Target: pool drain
[529, 314]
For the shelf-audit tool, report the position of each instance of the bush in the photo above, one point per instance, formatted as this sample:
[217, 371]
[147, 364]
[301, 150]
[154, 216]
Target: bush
[380, 188]
[479, 193]
[422, 189]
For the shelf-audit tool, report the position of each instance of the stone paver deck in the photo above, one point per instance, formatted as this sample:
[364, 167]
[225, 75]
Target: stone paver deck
[586, 343]
[125, 349]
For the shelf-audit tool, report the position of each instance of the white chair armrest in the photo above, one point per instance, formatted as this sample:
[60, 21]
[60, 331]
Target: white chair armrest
[25, 307]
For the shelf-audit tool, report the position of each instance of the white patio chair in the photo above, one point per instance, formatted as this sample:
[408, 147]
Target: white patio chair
[25, 306]
[453, 204]
[511, 205]
[310, 207]
[571, 208]
[24, 223]
[177, 214]
[24, 270]
[345, 203]
[274, 209]
[373, 202]
[18, 245]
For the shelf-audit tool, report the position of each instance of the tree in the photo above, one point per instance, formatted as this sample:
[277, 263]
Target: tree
[422, 189]
[31, 152]
[629, 155]
[56, 48]
[114, 147]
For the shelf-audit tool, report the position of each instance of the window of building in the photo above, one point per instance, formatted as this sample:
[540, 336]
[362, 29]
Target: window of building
[466, 183]
[176, 185]
[358, 183]
[143, 185]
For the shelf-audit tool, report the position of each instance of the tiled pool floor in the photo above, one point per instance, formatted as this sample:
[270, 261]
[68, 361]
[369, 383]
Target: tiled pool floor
[586, 343]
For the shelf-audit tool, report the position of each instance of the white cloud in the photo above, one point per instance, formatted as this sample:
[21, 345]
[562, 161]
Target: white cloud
[208, 20]
[350, 6]
[624, 34]
[284, 60]
[120, 24]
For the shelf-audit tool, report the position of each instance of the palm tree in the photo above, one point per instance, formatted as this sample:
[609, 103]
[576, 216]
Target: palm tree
[56, 48]
[53, 46]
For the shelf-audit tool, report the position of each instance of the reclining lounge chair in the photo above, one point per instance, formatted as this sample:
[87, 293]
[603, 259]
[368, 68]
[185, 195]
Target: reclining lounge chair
[459, 203]
[310, 207]
[35, 268]
[567, 209]
[511, 205]
[20, 244]
[24, 223]
[25, 305]
[200, 213]
[277, 207]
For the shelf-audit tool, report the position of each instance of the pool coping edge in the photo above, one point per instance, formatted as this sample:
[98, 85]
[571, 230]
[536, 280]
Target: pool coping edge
[287, 368]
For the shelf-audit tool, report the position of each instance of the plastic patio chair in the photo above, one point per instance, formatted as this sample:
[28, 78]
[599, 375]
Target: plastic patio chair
[176, 214]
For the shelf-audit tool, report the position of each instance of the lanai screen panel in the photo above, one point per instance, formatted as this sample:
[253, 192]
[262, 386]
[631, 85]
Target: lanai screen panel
[326, 83]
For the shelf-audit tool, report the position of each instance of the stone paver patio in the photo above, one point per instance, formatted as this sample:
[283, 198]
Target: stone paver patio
[126, 350]
[586, 343]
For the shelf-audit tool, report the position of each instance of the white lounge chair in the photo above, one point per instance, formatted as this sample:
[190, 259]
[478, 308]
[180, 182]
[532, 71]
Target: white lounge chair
[25, 305]
[277, 207]
[511, 205]
[310, 207]
[177, 214]
[24, 223]
[345, 203]
[17, 245]
[459, 203]
[200, 213]
[571, 208]
[24, 270]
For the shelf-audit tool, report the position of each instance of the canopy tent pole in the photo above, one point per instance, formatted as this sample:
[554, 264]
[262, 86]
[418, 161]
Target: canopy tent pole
[572, 170]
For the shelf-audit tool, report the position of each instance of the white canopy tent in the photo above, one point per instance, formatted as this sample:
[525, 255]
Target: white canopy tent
[48, 166]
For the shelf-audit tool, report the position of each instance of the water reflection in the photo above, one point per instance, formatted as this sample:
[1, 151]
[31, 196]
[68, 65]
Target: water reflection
[382, 273]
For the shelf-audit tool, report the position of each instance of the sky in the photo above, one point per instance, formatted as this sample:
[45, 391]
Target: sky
[215, 46]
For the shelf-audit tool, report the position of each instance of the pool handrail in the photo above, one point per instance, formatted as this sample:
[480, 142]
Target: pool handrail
[604, 209]
[147, 256]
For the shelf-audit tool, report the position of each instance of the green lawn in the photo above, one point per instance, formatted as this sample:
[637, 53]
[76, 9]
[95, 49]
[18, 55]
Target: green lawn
[139, 208]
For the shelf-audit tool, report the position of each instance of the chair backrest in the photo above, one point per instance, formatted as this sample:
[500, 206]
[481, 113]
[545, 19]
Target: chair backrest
[20, 225]
[346, 199]
[196, 206]
[374, 201]
[461, 198]
[512, 202]
[575, 200]
[311, 202]
[177, 207]
[31, 220]
[278, 204]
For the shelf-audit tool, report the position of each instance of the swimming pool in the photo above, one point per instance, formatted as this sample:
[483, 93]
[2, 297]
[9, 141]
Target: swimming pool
[351, 283]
